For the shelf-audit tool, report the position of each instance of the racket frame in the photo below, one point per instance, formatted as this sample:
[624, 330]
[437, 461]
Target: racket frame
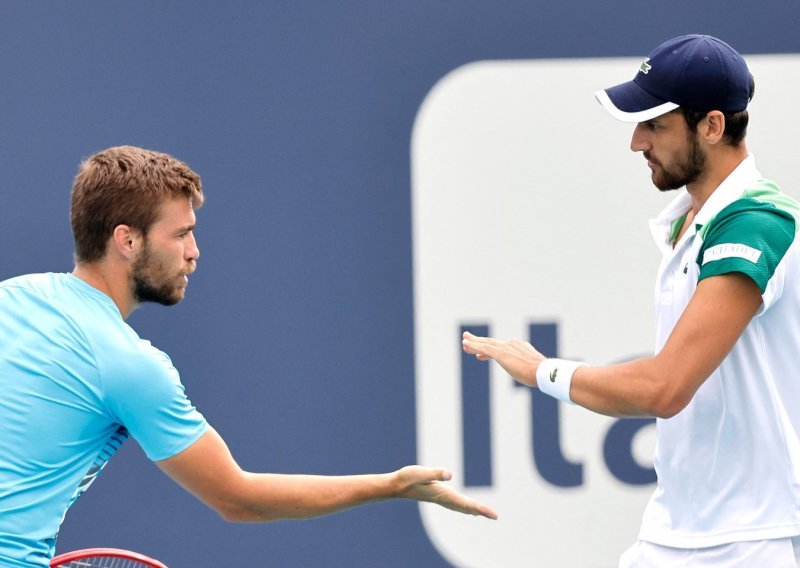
[87, 553]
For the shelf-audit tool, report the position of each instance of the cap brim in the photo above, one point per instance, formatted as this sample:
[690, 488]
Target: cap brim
[628, 102]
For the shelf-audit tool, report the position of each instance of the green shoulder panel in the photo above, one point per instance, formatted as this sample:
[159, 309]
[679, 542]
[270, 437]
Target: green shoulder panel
[751, 235]
[766, 191]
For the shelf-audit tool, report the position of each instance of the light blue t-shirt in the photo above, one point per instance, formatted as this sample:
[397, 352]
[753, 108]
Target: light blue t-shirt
[75, 381]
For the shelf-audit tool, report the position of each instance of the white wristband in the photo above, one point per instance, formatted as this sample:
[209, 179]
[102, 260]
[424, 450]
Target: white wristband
[554, 377]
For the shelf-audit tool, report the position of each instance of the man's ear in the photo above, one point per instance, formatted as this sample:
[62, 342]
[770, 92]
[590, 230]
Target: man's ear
[126, 241]
[712, 127]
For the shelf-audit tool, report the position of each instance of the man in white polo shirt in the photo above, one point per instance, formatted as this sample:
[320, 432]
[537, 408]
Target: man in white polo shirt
[724, 382]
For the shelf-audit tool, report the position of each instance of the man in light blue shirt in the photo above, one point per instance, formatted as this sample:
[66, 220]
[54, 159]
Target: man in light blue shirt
[76, 380]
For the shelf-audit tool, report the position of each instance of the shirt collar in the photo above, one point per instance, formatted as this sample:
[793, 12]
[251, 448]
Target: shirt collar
[661, 226]
[743, 176]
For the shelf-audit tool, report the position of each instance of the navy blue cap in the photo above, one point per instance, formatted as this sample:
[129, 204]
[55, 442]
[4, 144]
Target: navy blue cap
[697, 72]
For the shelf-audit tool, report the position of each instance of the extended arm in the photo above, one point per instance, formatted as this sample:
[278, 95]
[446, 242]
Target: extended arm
[719, 311]
[207, 470]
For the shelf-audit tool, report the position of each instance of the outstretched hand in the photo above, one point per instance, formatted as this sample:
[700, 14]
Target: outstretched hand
[425, 484]
[519, 358]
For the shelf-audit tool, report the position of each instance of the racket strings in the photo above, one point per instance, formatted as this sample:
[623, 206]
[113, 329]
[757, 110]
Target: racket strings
[104, 562]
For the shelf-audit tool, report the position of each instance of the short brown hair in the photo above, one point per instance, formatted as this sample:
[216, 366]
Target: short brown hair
[124, 185]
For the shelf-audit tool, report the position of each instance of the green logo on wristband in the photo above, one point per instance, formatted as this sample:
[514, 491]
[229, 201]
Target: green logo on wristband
[553, 374]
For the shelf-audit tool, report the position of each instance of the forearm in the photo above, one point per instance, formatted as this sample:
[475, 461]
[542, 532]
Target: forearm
[266, 497]
[634, 389]
[208, 471]
[661, 386]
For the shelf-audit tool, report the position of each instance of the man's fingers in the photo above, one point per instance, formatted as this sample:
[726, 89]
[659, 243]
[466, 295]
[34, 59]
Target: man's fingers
[492, 348]
[475, 345]
[455, 501]
[487, 512]
[478, 340]
[426, 484]
[485, 348]
[444, 475]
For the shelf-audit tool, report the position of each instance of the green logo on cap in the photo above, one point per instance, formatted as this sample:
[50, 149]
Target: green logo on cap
[644, 67]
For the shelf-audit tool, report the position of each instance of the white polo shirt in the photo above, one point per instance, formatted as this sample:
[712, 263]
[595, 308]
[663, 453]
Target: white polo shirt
[728, 465]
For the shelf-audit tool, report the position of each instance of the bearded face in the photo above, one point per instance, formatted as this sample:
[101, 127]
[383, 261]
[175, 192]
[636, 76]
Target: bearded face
[167, 256]
[683, 169]
[156, 278]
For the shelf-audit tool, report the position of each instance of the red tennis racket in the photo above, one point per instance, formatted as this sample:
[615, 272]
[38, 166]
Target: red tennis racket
[104, 558]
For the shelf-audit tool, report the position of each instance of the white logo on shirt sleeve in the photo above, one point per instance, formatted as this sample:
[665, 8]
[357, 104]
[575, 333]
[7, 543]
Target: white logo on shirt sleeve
[731, 250]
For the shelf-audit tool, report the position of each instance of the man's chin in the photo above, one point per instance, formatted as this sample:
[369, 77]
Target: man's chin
[663, 185]
[175, 298]
[164, 299]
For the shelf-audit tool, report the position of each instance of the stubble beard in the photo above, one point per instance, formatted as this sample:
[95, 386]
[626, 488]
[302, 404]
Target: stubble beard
[684, 171]
[151, 283]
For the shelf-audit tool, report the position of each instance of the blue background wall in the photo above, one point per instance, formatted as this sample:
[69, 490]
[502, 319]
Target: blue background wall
[295, 339]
